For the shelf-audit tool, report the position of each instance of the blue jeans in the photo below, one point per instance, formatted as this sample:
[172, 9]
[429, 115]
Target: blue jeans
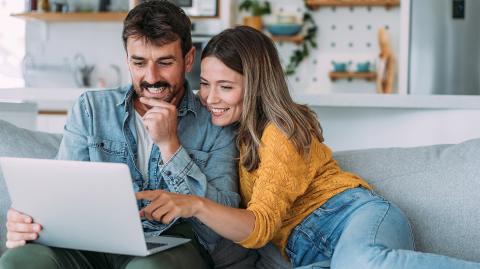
[359, 229]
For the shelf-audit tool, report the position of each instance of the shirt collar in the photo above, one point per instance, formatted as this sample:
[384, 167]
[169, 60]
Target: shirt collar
[187, 104]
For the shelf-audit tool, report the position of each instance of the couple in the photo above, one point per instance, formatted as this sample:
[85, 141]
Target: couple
[182, 158]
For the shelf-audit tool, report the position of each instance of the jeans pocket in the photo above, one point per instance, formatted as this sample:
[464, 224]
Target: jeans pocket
[305, 249]
[337, 203]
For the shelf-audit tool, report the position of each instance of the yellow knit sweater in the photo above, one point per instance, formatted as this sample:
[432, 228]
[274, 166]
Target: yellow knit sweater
[286, 187]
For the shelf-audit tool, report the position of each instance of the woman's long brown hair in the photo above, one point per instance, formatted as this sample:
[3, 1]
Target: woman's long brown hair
[266, 99]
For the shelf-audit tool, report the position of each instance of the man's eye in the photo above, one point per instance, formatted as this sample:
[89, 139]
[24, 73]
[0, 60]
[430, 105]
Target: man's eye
[165, 63]
[138, 63]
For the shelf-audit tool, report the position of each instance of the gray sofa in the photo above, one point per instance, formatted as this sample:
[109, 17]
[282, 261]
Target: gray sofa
[437, 186]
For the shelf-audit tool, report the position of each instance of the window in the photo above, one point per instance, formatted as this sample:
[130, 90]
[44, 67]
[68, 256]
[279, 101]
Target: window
[12, 44]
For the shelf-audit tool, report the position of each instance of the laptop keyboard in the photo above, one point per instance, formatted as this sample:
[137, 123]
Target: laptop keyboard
[155, 245]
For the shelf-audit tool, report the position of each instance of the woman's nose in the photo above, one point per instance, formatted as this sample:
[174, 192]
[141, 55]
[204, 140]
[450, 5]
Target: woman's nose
[212, 97]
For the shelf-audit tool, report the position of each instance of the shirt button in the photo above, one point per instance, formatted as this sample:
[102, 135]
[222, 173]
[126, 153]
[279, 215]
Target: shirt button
[168, 173]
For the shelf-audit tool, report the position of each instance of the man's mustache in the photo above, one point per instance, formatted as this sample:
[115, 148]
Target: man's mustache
[158, 84]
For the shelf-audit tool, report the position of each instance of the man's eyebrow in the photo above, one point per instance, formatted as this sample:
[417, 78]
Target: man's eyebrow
[167, 57]
[137, 57]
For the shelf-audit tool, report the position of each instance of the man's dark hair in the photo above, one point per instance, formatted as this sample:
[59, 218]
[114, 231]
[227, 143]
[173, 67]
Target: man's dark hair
[158, 22]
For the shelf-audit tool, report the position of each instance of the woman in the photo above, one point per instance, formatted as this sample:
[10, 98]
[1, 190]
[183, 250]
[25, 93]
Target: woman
[294, 193]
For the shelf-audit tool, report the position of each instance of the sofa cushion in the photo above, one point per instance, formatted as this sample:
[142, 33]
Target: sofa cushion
[438, 187]
[19, 142]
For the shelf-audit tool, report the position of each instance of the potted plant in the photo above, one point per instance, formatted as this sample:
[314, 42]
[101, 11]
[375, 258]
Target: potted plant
[257, 9]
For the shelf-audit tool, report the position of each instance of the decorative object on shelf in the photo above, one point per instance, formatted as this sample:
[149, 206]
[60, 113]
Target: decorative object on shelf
[308, 42]
[82, 71]
[43, 6]
[325, 3]
[104, 5]
[30, 5]
[284, 29]
[257, 9]
[363, 67]
[341, 66]
[59, 6]
[386, 64]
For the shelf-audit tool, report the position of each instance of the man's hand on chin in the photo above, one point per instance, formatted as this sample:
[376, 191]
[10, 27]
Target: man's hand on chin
[161, 123]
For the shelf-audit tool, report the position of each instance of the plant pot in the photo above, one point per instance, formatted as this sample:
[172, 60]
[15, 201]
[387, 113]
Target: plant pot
[253, 21]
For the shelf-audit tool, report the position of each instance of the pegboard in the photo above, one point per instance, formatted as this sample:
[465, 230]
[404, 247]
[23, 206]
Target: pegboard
[344, 34]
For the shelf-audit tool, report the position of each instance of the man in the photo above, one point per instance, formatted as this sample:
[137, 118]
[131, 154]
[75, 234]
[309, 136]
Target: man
[160, 130]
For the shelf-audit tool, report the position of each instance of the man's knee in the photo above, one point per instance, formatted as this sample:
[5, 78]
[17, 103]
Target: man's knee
[28, 256]
[184, 256]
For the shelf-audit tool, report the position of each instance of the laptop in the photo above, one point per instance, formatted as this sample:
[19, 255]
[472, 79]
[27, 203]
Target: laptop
[81, 205]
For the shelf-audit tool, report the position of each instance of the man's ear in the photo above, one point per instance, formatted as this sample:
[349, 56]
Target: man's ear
[189, 59]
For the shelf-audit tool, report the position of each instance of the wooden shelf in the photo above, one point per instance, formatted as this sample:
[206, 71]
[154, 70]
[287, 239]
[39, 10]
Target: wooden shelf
[72, 16]
[330, 3]
[81, 16]
[370, 76]
[294, 39]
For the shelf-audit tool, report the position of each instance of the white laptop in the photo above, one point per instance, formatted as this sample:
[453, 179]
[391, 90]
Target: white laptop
[81, 205]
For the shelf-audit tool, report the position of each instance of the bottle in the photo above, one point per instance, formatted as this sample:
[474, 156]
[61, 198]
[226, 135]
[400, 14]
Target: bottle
[30, 5]
[43, 6]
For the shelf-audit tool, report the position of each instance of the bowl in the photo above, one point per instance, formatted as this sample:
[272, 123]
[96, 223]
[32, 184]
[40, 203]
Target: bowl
[363, 67]
[340, 66]
[284, 29]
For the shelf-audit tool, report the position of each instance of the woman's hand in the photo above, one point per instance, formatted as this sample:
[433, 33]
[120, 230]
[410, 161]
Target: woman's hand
[166, 206]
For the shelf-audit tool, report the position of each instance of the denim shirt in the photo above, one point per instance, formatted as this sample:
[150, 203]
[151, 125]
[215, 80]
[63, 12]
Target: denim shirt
[101, 128]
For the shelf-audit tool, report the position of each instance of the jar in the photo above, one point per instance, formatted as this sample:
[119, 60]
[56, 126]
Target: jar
[43, 6]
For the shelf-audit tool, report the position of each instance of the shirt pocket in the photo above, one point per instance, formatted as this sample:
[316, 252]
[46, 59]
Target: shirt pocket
[200, 158]
[104, 150]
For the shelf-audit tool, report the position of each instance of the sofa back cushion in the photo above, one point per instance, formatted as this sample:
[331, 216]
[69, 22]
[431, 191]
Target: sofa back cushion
[19, 142]
[438, 187]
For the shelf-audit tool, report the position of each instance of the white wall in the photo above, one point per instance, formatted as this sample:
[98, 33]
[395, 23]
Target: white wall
[359, 128]
[51, 50]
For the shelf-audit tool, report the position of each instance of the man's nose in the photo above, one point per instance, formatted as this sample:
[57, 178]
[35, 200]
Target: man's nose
[152, 74]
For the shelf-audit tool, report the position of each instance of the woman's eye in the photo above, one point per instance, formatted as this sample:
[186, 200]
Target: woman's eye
[227, 87]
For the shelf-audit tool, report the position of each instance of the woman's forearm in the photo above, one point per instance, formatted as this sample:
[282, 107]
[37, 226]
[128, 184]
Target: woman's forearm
[232, 223]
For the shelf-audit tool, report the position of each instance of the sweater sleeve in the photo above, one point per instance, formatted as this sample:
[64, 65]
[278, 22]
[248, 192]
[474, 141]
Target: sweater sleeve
[282, 176]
